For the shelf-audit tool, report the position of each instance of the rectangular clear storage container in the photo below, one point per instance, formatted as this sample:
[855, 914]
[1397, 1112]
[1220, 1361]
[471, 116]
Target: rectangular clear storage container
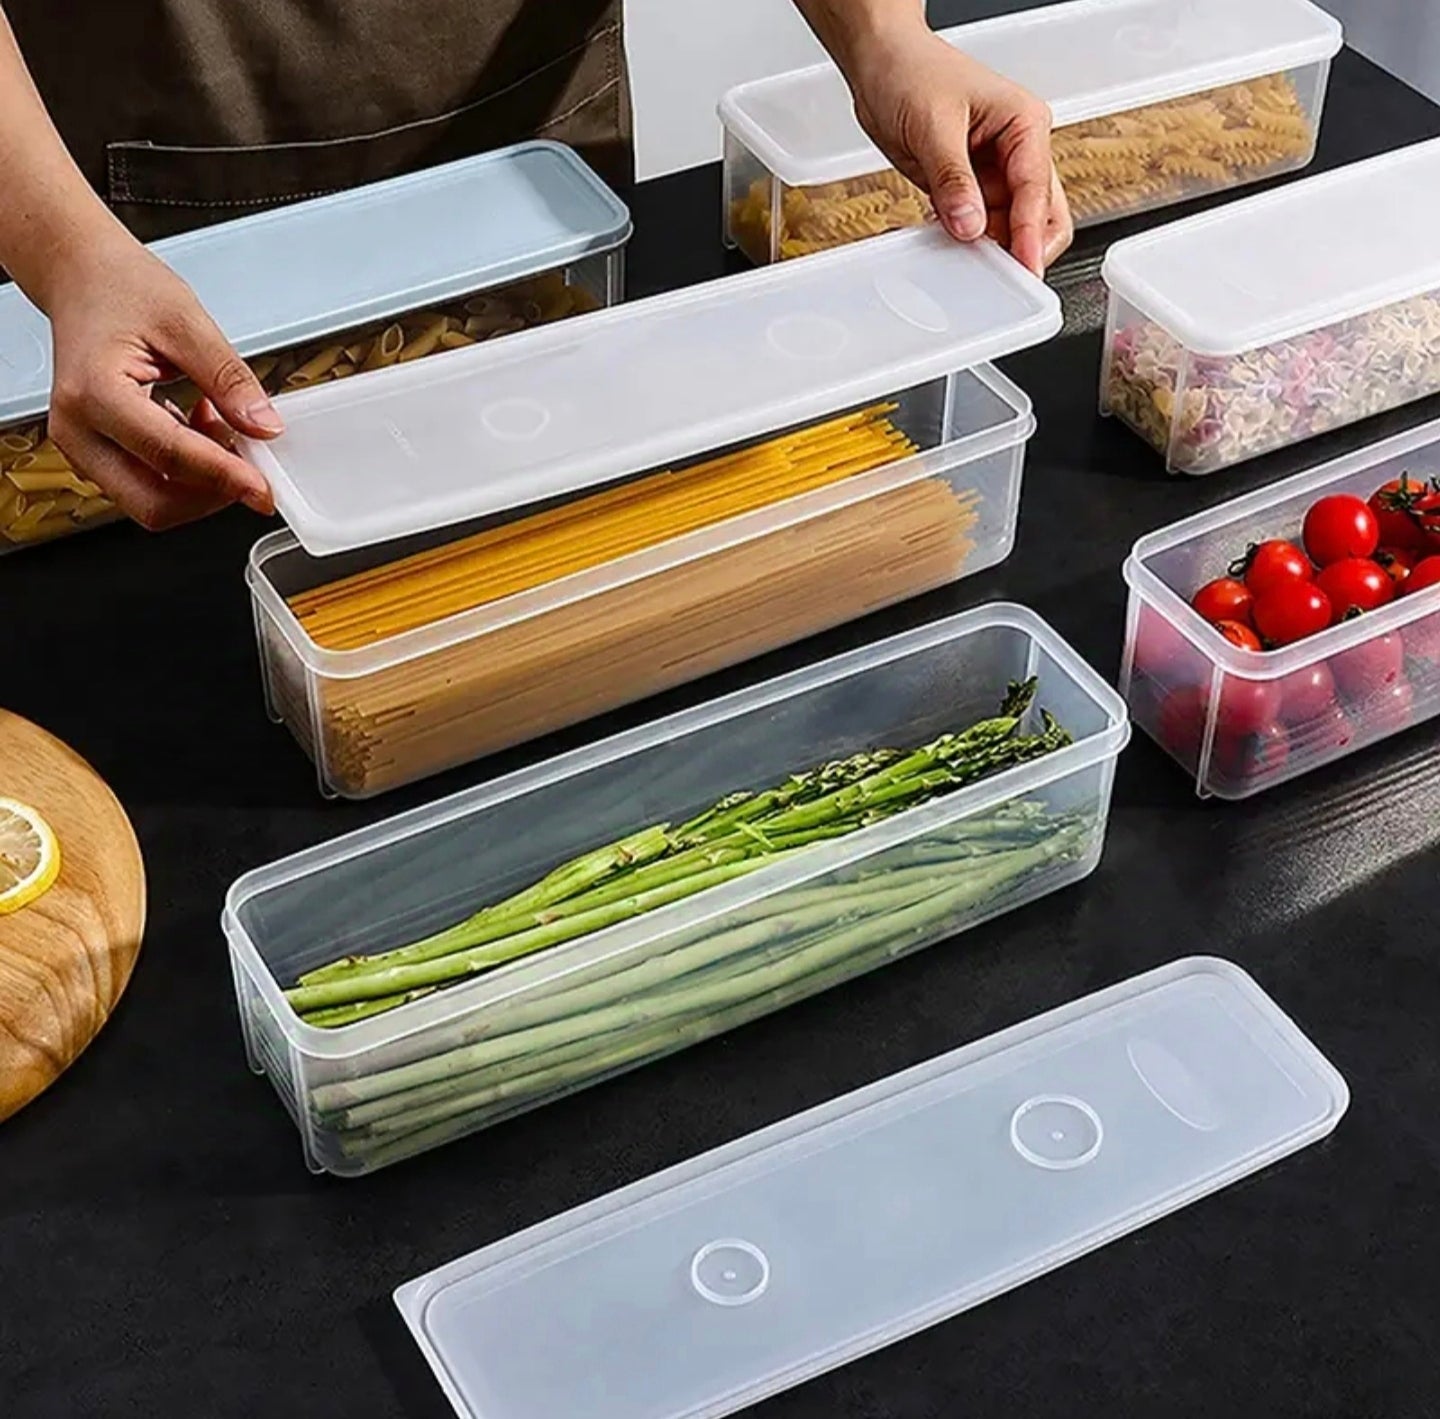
[1280, 317]
[439, 695]
[371, 1092]
[1243, 721]
[341, 285]
[1154, 102]
[673, 487]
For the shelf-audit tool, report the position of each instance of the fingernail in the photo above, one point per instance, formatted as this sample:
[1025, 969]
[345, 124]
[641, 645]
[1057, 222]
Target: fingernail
[259, 502]
[967, 221]
[263, 416]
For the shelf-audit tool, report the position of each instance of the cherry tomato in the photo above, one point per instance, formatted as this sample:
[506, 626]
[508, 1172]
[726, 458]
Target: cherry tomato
[1238, 633]
[1425, 575]
[1181, 721]
[1422, 638]
[1331, 735]
[1247, 706]
[1291, 611]
[1162, 654]
[1307, 694]
[1340, 526]
[1355, 584]
[1370, 667]
[1397, 563]
[1397, 513]
[1393, 710]
[1255, 756]
[1272, 564]
[1224, 599]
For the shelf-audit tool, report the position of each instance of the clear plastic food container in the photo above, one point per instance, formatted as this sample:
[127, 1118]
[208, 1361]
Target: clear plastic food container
[1280, 317]
[824, 449]
[381, 1089]
[338, 286]
[1243, 721]
[1154, 102]
[736, 1275]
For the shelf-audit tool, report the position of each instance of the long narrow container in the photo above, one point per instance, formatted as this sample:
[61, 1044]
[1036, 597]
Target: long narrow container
[381, 1089]
[1154, 102]
[1243, 721]
[590, 514]
[342, 285]
[1281, 317]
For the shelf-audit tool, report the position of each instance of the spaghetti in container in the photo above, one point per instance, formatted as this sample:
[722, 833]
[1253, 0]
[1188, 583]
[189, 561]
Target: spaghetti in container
[1281, 317]
[496, 544]
[341, 286]
[1154, 102]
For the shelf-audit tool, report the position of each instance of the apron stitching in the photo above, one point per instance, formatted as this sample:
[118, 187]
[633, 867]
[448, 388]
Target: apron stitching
[606, 34]
[274, 199]
[609, 86]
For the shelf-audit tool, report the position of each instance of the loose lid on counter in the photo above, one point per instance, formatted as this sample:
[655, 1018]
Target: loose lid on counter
[751, 1269]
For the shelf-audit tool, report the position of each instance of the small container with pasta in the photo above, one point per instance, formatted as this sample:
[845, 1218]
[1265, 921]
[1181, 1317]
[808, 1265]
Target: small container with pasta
[1279, 318]
[341, 286]
[1154, 102]
[494, 546]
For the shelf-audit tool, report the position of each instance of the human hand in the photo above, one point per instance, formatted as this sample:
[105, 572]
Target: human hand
[122, 323]
[978, 144]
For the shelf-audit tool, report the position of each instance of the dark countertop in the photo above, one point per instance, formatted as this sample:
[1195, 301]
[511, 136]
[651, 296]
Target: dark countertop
[164, 1254]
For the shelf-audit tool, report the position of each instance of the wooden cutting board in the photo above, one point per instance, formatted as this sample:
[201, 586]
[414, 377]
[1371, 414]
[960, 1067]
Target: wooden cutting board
[66, 958]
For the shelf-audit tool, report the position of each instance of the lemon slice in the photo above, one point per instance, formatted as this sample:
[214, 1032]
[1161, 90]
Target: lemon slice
[29, 856]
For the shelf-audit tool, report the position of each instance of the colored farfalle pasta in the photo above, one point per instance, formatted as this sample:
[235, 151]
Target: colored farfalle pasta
[802, 220]
[1150, 157]
[43, 498]
[1207, 412]
[536, 669]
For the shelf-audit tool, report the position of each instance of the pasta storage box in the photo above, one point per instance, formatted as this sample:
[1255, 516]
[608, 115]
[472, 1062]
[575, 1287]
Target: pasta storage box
[1279, 317]
[590, 514]
[337, 286]
[1241, 717]
[469, 960]
[1154, 102]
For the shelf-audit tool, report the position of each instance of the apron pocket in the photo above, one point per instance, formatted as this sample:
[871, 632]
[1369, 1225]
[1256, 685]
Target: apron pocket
[579, 98]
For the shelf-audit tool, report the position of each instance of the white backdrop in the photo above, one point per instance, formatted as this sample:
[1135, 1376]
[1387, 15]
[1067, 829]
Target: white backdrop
[685, 53]
[1401, 35]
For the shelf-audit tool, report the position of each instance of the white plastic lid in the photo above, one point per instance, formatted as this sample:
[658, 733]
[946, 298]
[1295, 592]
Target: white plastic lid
[1286, 262]
[556, 409]
[747, 1271]
[1085, 58]
[299, 272]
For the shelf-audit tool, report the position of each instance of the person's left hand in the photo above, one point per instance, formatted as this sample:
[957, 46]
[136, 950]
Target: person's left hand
[978, 144]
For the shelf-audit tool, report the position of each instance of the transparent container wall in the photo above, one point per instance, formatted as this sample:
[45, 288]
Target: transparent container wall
[42, 498]
[583, 1013]
[1238, 735]
[771, 221]
[1205, 413]
[812, 563]
[1189, 147]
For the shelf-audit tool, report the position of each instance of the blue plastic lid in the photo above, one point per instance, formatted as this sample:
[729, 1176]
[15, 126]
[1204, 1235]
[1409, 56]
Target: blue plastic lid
[295, 273]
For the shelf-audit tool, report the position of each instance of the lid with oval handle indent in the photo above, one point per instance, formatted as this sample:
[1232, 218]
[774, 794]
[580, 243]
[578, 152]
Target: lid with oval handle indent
[741, 1273]
[555, 410]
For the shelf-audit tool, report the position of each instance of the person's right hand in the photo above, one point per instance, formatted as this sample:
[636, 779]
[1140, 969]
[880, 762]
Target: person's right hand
[122, 323]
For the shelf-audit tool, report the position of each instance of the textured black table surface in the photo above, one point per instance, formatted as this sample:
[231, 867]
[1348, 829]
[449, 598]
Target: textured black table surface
[163, 1252]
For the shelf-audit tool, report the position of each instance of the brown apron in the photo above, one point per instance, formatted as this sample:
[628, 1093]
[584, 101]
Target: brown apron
[184, 112]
